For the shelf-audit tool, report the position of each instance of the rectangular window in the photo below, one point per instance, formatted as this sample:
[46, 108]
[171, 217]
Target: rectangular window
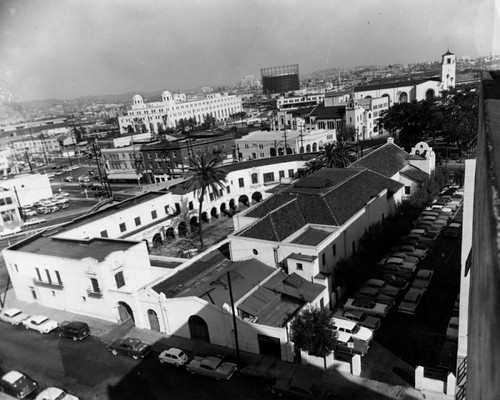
[166, 209]
[33, 293]
[58, 278]
[407, 190]
[290, 173]
[8, 200]
[137, 221]
[323, 258]
[119, 279]
[49, 279]
[95, 285]
[39, 276]
[190, 205]
[334, 250]
[104, 234]
[255, 178]
[299, 266]
[282, 174]
[123, 227]
[262, 155]
[241, 182]
[254, 155]
[269, 177]
[154, 214]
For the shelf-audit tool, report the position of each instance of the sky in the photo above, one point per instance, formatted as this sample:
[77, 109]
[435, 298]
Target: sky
[65, 49]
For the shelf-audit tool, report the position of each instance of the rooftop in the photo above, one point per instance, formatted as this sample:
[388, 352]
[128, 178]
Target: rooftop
[388, 85]
[311, 236]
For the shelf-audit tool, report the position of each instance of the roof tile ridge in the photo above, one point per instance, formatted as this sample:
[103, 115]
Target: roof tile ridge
[330, 209]
[374, 151]
[274, 229]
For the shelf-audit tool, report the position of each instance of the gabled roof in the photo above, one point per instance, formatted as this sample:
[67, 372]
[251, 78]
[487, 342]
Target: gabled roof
[329, 197]
[387, 160]
[414, 173]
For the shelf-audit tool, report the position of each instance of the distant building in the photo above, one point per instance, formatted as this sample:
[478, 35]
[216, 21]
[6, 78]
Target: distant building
[157, 116]
[299, 101]
[362, 117]
[281, 79]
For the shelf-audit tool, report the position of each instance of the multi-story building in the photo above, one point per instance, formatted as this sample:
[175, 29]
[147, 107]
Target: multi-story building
[263, 144]
[9, 210]
[362, 117]
[289, 103]
[40, 146]
[28, 188]
[157, 116]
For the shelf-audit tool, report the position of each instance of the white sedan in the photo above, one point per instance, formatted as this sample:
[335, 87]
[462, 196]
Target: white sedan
[53, 393]
[40, 323]
[173, 356]
[13, 316]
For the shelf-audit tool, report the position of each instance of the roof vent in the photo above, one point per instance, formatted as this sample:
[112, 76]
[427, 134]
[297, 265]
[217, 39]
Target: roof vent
[390, 140]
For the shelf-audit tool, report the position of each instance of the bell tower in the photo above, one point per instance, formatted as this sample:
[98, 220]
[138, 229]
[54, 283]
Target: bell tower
[448, 70]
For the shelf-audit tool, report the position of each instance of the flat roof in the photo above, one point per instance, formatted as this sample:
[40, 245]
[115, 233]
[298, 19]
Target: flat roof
[311, 236]
[302, 257]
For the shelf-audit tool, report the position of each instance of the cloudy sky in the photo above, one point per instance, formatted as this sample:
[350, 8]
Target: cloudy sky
[71, 48]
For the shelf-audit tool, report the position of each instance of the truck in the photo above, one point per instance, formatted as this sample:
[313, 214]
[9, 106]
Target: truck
[212, 366]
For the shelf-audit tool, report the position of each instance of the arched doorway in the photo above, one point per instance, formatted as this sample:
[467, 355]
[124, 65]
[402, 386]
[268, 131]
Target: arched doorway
[308, 148]
[213, 212]
[169, 234]
[157, 240]
[231, 204]
[429, 94]
[204, 216]
[223, 208]
[257, 197]
[281, 151]
[153, 320]
[243, 199]
[193, 224]
[125, 312]
[314, 147]
[182, 229]
[289, 150]
[403, 97]
[272, 152]
[301, 149]
[198, 328]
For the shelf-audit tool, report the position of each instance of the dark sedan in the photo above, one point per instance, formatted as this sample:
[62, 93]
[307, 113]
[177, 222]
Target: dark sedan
[130, 347]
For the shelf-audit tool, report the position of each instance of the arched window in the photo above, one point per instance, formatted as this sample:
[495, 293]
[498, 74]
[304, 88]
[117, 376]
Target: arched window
[403, 98]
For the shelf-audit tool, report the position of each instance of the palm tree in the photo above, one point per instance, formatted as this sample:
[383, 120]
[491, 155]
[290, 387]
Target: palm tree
[314, 165]
[205, 175]
[338, 155]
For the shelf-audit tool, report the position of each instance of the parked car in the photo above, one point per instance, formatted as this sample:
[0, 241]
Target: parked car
[297, 388]
[68, 179]
[448, 356]
[453, 230]
[129, 347]
[375, 295]
[29, 213]
[410, 302]
[212, 366]
[17, 384]
[368, 306]
[353, 328]
[13, 316]
[363, 319]
[173, 356]
[406, 258]
[75, 330]
[54, 393]
[350, 345]
[34, 221]
[393, 280]
[412, 251]
[402, 271]
[452, 329]
[40, 323]
[383, 287]
[422, 279]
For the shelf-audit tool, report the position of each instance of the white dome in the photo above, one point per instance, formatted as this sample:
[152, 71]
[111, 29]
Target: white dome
[166, 95]
[137, 98]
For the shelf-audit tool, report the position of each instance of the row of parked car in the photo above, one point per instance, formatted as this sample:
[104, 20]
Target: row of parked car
[19, 385]
[47, 206]
[398, 276]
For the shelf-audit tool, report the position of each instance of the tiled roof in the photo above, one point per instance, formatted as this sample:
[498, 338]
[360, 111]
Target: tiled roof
[332, 203]
[294, 286]
[389, 85]
[415, 173]
[334, 112]
[387, 160]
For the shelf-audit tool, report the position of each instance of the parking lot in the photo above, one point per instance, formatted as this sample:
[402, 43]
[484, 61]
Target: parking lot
[405, 341]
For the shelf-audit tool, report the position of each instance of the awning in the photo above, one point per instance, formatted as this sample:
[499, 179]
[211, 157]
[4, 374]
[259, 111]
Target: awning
[123, 177]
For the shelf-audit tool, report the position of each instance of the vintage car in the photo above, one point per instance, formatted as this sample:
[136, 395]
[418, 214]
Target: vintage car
[129, 347]
[13, 316]
[17, 384]
[212, 366]
[173, 356]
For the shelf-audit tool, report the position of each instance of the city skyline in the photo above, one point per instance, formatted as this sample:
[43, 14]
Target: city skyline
[68, 49]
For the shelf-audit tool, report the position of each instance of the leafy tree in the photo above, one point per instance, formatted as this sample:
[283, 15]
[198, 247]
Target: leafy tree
[338, 155]
[313, 331]
[182, 125]
[208, 121]
[78, 134]
[205, 176]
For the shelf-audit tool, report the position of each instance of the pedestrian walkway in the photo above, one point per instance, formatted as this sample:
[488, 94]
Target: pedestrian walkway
[340, 385]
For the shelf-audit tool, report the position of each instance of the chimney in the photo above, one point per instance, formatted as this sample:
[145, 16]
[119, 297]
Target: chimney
[390, 140]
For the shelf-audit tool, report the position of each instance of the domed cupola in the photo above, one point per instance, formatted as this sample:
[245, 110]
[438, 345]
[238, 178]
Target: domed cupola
[166, 96]
[137, 99]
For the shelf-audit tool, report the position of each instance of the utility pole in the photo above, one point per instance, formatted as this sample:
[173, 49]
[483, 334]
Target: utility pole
[97, 156]
[27, 158]
[302, 150]
[235, 325]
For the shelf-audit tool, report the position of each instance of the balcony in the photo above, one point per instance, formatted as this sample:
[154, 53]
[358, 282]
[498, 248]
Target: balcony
[93, 294]
[49, 285]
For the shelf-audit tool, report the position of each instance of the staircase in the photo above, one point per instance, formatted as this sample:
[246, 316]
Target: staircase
[119, 331]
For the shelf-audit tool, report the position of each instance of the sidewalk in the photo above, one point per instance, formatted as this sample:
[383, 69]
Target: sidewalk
[339, 384]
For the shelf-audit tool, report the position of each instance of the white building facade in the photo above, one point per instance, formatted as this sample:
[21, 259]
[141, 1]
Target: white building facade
[172, 108]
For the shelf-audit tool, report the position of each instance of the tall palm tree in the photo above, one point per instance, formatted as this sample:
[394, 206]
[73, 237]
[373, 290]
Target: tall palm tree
[205, 175]
[338, 155]
[314, 165]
